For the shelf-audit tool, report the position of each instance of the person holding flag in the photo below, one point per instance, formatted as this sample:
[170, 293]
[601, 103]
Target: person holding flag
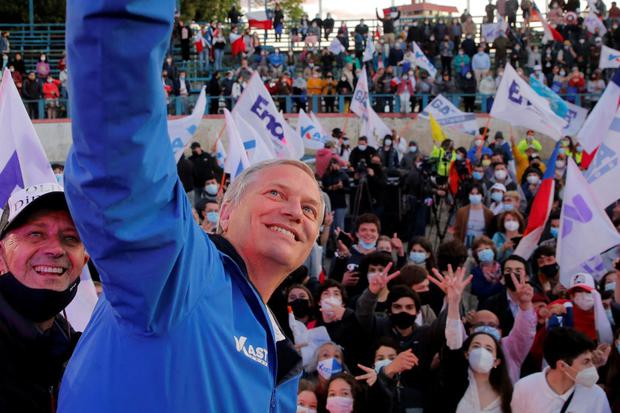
[177, 302]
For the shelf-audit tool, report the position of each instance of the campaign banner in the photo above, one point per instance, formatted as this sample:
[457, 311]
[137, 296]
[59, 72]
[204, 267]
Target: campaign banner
[603, 174]
[610, 58]
[447, 114]
[422, 61]
[182, 130]
[237, 159]
[256, 148]
[369, 50]
[310, 132]
[491, 31]
[575, 118]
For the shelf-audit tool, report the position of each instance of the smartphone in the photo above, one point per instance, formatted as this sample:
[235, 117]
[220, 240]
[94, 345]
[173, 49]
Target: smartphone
[346, 240]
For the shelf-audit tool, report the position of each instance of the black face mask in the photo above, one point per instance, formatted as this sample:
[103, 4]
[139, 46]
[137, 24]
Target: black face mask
[402, 320]
[549, 271]
[301, 307]
[36, 305]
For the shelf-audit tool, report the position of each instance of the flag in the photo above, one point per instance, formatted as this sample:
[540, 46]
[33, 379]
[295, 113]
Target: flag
[491, 31]
[610, 58]
[237, 45]
[446, 114]
[597, 123]
[593, 22]
[182, 130]
[541, 208]
[436, 132]
[557, 104]
[374, 128]
[516, 103]
[237, 160]
[220, 153]
[336, 47]
[369, 50]
[361, 101]
[259, 20]
[257, 108]
[549, 32]
[318, 123]
[422, 61]
[585, 228]
[575, 117]
[23, 163]
[310, 132]
[256, 148]
[603, 174]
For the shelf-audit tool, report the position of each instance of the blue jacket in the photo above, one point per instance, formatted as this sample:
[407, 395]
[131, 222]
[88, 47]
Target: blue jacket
[180, 328]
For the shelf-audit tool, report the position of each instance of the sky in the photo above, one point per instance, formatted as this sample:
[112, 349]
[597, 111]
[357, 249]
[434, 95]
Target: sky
[351, 9]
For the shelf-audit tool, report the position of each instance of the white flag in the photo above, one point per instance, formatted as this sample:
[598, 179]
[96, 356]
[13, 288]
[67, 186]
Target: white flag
[256, 107]
[597, 124]
[336, 47]
[575, 117]
[610, 58]
[23, 163]
[318, 123]
[361, 102]
[256, 148]
[585, 228]
[491, 31]
[374, 128]
[422, 61]
[592, 22]
[310, 132]
[517, 103]
[369, 51]
[446, 114]
[182, 130]
[220, 153]
[603, 174]
[237, 160]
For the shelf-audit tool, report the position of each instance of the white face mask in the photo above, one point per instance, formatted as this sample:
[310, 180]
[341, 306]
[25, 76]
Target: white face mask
[373, 275]
[560, 164]
[587, 377]
[533, 179]
[331, 301]
[328, 368]
[304, 409]
[511, 225]
[500, 174]
[585, 301]
[481, 360]
[381, 364]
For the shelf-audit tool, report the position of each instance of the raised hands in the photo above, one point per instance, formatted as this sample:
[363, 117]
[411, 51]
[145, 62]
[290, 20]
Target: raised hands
[379, 282]
[453, 284]
[370, 376]
[397, 245]
[406, 360]
[524, 291]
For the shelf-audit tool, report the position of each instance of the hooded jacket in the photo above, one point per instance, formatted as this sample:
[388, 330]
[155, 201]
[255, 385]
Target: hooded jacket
[180, 327]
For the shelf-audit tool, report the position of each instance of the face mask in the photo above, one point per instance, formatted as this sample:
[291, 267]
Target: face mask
[477, 175]
[362, 147]
[562, 73]
[300, 307]
[478, 142]
[475, 199]
[381, 364]
[413, 149]
[486, 255]
[533, 179]
[549, 271]
[213, 217]
[481, 360]
[579, 149]
[417, 257]
[328, 368]
[468, 75]
[509, 207]
[610, 286]
[35, 304]
[372, 275]
[459, 157]
[387, 142]
[304, 409]
[367, 245]
[402, 320]
[511, 225]
[331, 302]
[584, 301]
[338, 404]
[587, 377]
[211, 189]
[59, 178]
[497, 196]
[500, 174]
[561, 151]
[554, 231]
[486, 163]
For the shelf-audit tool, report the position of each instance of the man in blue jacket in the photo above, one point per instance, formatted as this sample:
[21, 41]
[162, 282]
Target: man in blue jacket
[182, 325]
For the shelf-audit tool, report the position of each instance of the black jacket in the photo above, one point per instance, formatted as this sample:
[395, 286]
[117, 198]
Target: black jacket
[205, 168]
[31, 361]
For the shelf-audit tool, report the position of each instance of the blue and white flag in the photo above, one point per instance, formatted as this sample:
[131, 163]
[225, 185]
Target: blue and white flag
[369, 50]
[518, 104]
[256, 148]
[575, 117]
[422, 61]
[220, 153]
[491, 31]
[446, 114]
[182, 130]
[23, 163]
[558, 105]
[610, 58]
[318, 123]
[596, 126]
[237, 159]
[336, 47]
[603, 174]
[585, 228]
[256, 107]
[310, 132]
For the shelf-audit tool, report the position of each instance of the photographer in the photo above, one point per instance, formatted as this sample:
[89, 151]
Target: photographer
[417, 191]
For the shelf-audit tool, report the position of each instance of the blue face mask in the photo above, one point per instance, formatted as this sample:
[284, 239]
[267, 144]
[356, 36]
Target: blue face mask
[497, 196]
[211, 189]
[554, 232]
[610, 286]
[459, 157]
[475, 199]
[417, 257]
[508, 207]
[366, 245]
[213, 217]
[486, 255]
[477, 175]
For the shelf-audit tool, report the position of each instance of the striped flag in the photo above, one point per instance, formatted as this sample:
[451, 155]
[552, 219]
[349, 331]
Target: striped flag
[550, 32]
[259, 20]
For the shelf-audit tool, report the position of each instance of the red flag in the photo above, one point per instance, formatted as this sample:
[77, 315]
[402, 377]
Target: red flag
[237, 45]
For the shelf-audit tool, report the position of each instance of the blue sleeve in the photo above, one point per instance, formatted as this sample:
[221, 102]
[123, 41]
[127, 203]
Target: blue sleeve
[120, 178]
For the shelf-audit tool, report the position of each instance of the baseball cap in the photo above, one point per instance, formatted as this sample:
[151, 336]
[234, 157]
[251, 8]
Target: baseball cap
[27, 200]
[499, 187]
[581, 280]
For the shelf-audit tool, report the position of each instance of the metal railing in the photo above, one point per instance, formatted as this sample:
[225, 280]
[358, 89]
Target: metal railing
[383, 103]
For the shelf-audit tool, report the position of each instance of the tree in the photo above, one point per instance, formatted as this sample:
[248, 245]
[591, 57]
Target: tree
[45, 11]
[206, 10]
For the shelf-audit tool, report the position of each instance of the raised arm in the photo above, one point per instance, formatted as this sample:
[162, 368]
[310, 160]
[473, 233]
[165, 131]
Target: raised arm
[120, 178]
